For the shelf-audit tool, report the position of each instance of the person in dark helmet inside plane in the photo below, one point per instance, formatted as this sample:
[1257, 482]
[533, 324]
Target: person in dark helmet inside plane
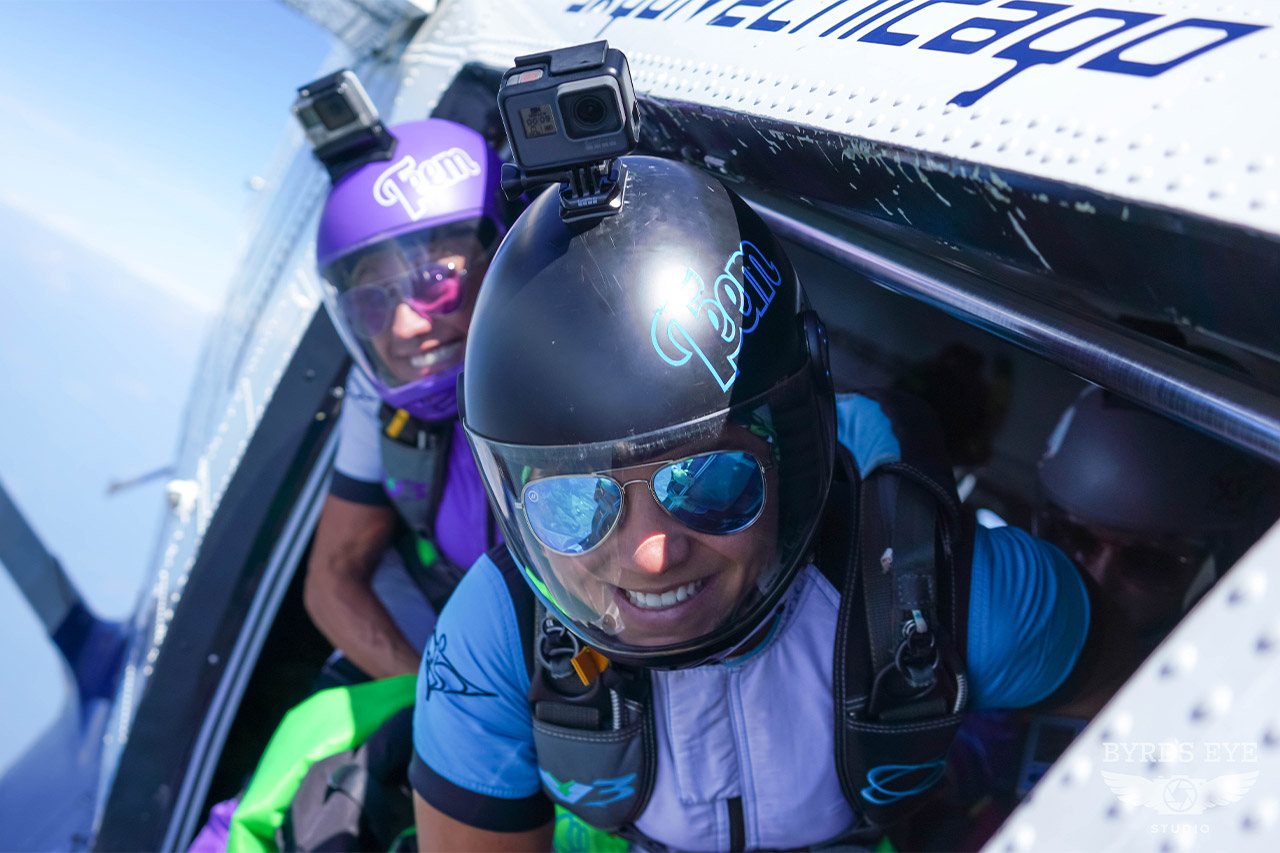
[402, 247]
[708, 552]
[1153, 512]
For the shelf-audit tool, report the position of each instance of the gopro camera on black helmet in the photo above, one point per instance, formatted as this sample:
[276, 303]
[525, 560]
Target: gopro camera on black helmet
[570, 114]
[342, 124]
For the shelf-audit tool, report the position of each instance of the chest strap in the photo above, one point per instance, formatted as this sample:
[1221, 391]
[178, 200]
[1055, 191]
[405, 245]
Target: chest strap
[415, 464]
[596, 742]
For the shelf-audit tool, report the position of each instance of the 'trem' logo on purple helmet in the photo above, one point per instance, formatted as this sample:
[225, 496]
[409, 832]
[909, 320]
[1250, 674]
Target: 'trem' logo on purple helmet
[713, 326]
[409, 183]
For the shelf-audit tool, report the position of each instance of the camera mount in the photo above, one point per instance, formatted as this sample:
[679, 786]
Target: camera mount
[586, 191]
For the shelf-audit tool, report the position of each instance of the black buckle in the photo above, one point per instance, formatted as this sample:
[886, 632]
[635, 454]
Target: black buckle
[556, 648]
[912, 677]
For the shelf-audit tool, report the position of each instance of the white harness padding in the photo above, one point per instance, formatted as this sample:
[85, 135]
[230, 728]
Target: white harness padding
[759, 728]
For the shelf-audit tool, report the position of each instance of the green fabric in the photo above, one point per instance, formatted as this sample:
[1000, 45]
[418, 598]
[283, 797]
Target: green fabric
[574, 835]
[325, 724]
[427, 553]
[885, 846]
[542, 588]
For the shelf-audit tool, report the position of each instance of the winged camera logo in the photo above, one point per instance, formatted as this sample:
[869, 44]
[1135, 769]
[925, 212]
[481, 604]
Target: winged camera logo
[1180, 795]
[1182, 779]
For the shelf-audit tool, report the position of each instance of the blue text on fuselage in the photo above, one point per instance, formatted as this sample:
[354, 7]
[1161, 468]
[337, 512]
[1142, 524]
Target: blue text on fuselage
[882, 22]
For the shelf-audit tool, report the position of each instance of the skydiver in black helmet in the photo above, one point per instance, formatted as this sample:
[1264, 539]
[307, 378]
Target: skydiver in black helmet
[1153, 512]
[711, 558]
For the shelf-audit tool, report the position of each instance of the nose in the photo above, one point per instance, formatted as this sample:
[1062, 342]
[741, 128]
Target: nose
[655, 541]
[407, 323]
[1098, 562]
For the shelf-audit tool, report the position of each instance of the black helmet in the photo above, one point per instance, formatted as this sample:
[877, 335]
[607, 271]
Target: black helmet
[668, 346]
[1142, 504]
[1116, 465]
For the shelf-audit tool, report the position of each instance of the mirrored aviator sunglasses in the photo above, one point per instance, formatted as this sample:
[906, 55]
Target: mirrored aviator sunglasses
[718, 493]
[430, 290]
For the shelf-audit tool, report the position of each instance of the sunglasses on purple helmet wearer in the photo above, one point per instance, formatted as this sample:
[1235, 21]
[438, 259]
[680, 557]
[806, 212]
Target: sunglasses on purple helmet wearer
[430, 289]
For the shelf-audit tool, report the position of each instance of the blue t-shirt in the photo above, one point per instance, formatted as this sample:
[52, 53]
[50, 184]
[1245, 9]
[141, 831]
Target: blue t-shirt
[756, 729]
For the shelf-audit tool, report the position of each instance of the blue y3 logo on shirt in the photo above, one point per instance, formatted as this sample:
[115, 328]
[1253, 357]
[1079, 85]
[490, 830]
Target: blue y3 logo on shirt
[605, 790]
[881, 790]
[712, 326]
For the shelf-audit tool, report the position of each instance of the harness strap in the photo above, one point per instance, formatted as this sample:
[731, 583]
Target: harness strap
[875, 522]
[583, 733]
[423, 448]
[898, 683]
[415, 460]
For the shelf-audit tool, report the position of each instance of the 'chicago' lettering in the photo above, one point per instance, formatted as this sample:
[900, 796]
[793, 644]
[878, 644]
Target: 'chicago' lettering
[1071, 35]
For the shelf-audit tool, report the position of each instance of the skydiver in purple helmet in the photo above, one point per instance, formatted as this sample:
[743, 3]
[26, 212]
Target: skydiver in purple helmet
[410, 224]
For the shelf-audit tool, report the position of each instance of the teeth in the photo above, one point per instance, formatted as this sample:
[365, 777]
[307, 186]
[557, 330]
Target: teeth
[654, 600]
[434, 356]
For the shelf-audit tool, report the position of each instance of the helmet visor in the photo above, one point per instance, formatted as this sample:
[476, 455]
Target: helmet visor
[668, 547]
[403, 305]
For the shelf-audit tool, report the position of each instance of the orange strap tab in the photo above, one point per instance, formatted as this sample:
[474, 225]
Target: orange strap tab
[589, 663]
[397, 423]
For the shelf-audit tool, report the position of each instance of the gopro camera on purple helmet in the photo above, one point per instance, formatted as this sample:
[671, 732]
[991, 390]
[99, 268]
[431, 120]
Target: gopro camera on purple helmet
[413, 217]
[570, 114]
[342, 124]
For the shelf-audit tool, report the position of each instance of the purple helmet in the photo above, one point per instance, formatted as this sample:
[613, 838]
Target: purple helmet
[402, 247]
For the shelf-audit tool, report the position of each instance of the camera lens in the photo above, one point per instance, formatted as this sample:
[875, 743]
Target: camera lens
[589, 111]
[592, 112]
[334, 110]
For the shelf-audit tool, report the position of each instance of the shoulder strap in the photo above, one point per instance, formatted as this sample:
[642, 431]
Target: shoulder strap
[924, 461]
[596, 744]
[899, 684]
[415, 461]
[522, 599]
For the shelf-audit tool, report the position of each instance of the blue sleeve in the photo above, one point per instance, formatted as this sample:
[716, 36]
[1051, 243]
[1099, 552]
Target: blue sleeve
[472, 729]
[1028, 617]
[1028, 609]
[864, 428]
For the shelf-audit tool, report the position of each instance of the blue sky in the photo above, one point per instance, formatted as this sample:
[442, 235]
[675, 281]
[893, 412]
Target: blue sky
[128, 133]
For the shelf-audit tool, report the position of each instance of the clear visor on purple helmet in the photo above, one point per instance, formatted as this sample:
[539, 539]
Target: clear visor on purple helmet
[403, 305]
[402, 246]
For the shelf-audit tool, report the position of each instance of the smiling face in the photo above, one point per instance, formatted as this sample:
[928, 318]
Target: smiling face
[653, 580]
[418, 341]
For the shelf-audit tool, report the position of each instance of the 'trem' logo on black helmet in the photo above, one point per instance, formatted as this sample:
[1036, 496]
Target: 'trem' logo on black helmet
[694, 321]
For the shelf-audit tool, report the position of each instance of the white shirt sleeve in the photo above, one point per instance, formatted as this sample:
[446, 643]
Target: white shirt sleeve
[359, 455]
